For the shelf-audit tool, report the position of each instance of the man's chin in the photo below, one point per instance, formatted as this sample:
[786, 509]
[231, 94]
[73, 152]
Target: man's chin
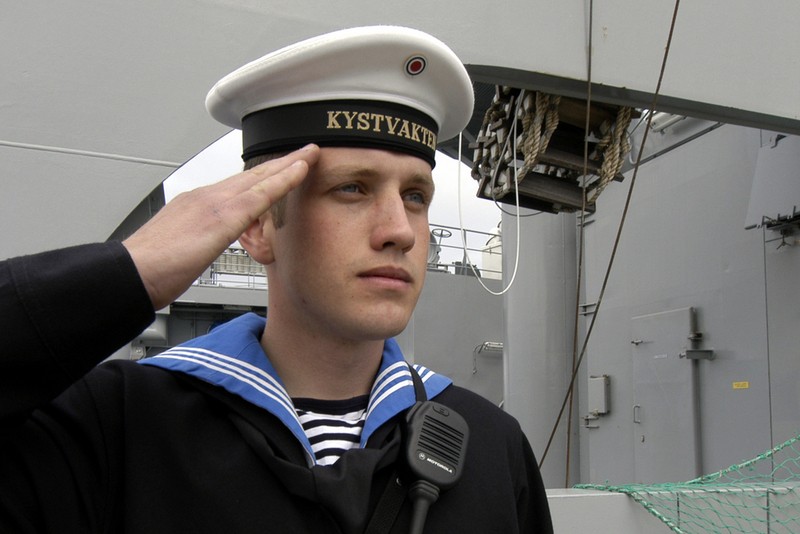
[382, 329]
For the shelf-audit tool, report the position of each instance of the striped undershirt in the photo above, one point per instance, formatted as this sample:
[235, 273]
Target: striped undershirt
[332, 427]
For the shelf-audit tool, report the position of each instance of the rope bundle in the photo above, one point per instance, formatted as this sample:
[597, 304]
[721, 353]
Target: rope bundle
[536, 116]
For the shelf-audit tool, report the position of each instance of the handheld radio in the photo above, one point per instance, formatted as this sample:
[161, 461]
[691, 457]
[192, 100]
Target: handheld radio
[435, 450]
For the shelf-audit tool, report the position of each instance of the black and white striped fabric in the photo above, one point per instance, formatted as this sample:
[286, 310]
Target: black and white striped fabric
[332, 427]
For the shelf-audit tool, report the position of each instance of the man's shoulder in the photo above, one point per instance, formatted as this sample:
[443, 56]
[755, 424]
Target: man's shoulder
[127, 377]
[459, 395]
[478, 411]
[496, 446]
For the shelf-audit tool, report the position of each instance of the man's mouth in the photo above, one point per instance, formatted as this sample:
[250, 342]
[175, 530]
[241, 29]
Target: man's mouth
[388, 272]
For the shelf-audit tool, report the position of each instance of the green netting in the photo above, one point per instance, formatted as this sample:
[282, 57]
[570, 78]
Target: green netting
[761, 495]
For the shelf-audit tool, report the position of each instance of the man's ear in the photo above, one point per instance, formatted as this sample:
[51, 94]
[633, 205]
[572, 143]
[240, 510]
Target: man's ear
[257, 240]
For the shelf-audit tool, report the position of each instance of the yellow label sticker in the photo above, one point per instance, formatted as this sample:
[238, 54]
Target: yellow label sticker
[741, 385]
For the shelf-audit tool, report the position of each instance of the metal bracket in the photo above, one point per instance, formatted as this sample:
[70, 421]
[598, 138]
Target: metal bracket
[587, 418]
[697, 354]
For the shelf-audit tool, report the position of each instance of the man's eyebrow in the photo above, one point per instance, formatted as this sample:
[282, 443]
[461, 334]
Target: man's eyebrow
[356, 172]
[423, 179]
[351, 171]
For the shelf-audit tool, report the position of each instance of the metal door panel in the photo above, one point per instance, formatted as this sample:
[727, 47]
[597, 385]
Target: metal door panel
[665, 398]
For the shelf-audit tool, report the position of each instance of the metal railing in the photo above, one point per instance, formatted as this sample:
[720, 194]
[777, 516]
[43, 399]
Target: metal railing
[235, 268]
[483, 249]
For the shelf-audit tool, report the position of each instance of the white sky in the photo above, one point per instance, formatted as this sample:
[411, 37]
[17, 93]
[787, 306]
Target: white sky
[223, 158]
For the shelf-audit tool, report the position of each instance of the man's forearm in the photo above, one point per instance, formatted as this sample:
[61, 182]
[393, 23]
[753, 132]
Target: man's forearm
[64, 311]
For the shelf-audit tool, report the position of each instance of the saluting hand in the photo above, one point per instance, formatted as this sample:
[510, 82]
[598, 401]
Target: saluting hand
[175, 247]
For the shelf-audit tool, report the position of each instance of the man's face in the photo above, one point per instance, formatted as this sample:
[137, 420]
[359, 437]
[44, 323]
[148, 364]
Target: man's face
[350, 260]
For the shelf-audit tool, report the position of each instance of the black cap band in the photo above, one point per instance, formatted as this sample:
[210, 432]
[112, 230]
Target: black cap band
[352, 123]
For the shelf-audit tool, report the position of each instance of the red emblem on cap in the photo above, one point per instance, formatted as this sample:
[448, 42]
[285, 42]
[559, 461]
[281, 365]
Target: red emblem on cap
[415, 65]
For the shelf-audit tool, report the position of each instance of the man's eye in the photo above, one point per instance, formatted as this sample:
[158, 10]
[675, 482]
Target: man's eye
[417, 197]
[349, 188]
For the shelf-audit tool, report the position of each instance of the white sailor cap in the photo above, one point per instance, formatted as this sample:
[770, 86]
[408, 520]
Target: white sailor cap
[377, 87]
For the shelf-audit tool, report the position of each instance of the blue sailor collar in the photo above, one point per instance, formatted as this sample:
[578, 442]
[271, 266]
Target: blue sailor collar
[231, 357]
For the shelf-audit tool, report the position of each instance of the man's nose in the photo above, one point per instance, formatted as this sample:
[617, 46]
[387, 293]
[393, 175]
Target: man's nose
[392, 227]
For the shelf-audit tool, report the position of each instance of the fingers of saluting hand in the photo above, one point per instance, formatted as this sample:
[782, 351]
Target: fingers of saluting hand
[269, 172]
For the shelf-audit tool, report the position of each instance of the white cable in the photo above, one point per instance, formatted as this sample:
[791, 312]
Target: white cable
[516, 198]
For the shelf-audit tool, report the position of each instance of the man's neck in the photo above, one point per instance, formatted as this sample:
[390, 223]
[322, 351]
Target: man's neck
[319, 367]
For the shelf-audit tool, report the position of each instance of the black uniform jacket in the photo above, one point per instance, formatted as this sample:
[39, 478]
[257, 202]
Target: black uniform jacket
[133, 448]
